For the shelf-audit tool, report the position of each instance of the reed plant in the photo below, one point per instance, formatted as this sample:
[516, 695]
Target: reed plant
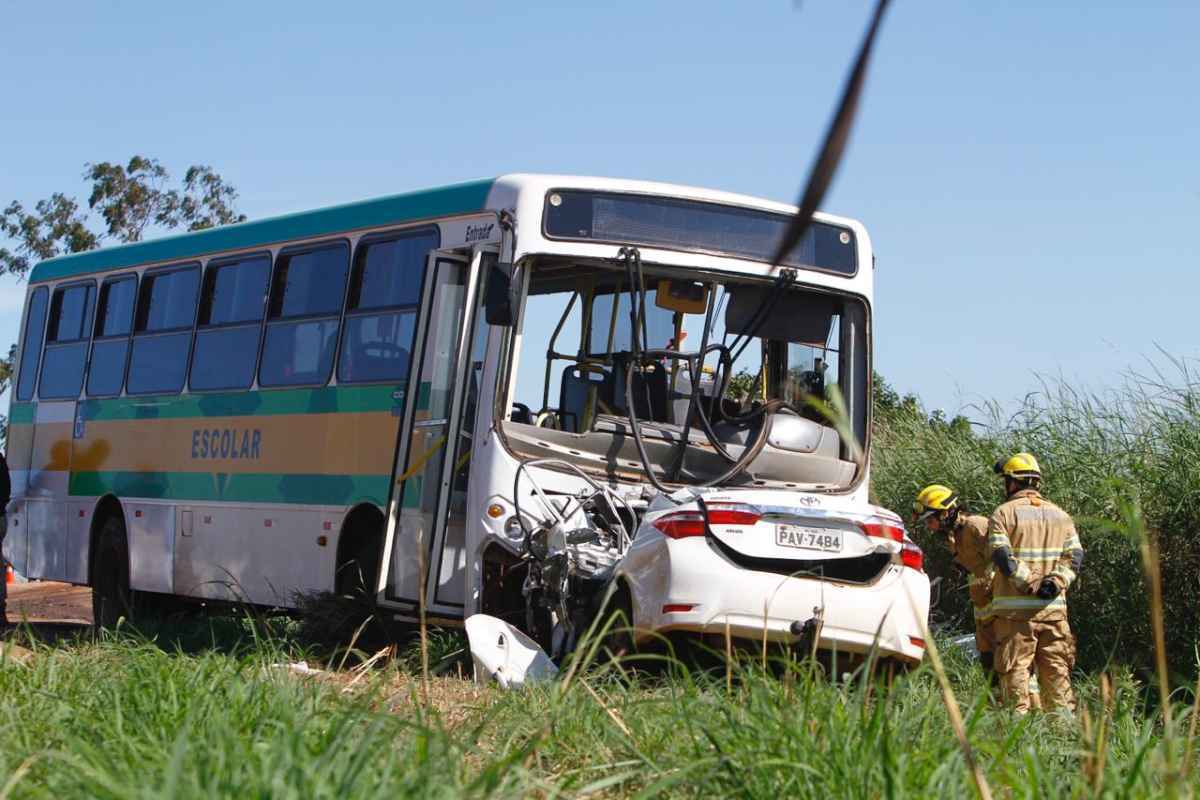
[1137, 443]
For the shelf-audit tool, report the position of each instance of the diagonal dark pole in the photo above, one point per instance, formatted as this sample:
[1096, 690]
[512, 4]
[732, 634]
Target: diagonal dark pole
[830, 155]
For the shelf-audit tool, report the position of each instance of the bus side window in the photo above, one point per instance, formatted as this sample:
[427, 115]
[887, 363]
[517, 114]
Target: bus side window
[303, 311]
[67, 338]
[227, 333]
[114, 321]
[31, 346]
[162, 330]
[381, 310]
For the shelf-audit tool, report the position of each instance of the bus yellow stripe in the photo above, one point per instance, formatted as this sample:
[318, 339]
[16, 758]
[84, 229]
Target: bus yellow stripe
[315, 444]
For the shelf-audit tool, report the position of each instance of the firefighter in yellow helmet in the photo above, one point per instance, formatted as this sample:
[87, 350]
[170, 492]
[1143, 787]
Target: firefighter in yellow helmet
[1037, 554]
[966, 535]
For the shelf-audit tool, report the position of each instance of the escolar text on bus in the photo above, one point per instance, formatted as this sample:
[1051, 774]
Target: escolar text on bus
[226, 443]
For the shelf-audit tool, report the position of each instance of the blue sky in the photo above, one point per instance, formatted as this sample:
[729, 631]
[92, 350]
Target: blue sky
[1028, 170]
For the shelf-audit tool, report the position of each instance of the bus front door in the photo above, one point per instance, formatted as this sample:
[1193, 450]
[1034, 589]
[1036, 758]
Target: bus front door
[425, 556]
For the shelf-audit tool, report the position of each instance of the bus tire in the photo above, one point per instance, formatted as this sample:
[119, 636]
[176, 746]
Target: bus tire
[360, 556]
[112, 597]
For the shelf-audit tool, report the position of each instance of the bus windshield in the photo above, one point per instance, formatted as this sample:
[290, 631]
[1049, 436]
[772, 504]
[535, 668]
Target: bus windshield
[579, 371]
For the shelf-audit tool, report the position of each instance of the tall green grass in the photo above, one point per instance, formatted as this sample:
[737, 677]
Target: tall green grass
[200, 710]
[1138, 443]
[123, 717]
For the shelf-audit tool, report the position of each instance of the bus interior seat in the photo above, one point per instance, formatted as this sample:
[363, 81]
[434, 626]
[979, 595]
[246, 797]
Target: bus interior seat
[651, 390]
[378, 360]
[574, 389]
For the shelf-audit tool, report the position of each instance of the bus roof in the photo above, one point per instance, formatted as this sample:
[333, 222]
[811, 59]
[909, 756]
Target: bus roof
[462, 198]
[453, 200]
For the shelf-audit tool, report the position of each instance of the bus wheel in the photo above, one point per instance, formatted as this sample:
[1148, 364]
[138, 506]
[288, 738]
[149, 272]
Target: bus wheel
[111, 595]
[357, 576]
[360, 556]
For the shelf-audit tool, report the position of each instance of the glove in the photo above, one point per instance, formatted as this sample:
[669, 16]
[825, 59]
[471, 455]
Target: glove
[1048, 589]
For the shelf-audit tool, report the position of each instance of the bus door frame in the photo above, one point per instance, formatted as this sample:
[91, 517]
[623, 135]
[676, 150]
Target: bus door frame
[402, 469]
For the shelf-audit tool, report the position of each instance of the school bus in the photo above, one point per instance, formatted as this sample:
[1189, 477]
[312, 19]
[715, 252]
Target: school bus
[399, 396]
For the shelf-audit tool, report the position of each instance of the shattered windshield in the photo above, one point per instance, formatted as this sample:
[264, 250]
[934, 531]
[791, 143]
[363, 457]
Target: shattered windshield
[769, 352]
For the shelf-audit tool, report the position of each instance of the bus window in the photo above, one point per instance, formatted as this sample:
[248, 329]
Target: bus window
[381, 312]
[31, 347]
[114, 321]
[162, 331]
[302, 316]
[67, 342]
[227, 333]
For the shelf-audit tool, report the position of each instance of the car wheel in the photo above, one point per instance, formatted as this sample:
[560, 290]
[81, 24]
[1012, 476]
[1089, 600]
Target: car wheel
[112, 598]
[618, 638]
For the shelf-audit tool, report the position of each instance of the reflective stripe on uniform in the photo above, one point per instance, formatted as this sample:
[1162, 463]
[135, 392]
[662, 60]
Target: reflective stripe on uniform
[1022, 575]
[984, 612]
[1065, 573]
[1038, 553]
[1026, 603]
[999, 540]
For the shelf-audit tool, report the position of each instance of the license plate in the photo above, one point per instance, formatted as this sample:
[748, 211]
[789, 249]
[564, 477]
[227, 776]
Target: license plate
[804, 538]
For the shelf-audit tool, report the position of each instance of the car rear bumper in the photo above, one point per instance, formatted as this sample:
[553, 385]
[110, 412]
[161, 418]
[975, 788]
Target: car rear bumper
[686, 585]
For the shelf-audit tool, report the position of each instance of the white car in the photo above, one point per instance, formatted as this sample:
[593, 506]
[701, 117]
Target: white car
[771, 561]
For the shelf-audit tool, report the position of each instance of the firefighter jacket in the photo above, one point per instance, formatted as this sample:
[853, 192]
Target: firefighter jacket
[1029, 539]
[969, 544]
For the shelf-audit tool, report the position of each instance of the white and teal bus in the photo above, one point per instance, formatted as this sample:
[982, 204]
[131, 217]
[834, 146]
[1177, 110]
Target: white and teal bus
[442, 398]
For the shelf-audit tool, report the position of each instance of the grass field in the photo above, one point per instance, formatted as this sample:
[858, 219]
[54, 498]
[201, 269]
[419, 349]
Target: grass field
[205, 713]
[201, 710]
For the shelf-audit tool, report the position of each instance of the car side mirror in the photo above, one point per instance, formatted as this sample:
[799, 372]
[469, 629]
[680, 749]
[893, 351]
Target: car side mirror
[499, 304]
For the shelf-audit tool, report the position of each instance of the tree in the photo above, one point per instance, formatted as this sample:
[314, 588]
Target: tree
[891, 405]
[55, 229]
[132, 199]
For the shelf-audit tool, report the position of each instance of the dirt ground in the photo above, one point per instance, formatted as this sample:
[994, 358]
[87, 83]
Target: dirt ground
[46, 601]
[61, 610]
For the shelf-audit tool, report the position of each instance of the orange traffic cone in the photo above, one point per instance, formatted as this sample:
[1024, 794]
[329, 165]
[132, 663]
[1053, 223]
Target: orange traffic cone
[9, 574]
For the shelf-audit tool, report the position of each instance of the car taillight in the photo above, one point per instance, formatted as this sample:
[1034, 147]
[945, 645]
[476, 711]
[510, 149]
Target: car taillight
[883, 529]
[912, 557]
[681, 524]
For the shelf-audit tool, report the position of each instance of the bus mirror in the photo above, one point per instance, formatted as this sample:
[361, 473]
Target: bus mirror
[499, 305]
[686, 297]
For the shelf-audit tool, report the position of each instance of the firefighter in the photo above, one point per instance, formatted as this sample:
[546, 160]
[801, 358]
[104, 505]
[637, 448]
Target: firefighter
[966, 535]
[1036, 552]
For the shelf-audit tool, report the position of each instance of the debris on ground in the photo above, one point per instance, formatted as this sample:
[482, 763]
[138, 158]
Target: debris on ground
[505, 654]
[15, 654]
[299, 668]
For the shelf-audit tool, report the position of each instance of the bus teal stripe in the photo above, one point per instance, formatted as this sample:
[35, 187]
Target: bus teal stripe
[463, 198]
[266, 402]
[21, 413]
[242, 487]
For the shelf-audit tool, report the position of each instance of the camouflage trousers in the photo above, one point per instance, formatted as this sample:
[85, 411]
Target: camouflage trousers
[1045, 645]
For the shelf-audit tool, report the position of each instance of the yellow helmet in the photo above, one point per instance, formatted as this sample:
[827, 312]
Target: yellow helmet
[1022, 466]
[934, 498]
